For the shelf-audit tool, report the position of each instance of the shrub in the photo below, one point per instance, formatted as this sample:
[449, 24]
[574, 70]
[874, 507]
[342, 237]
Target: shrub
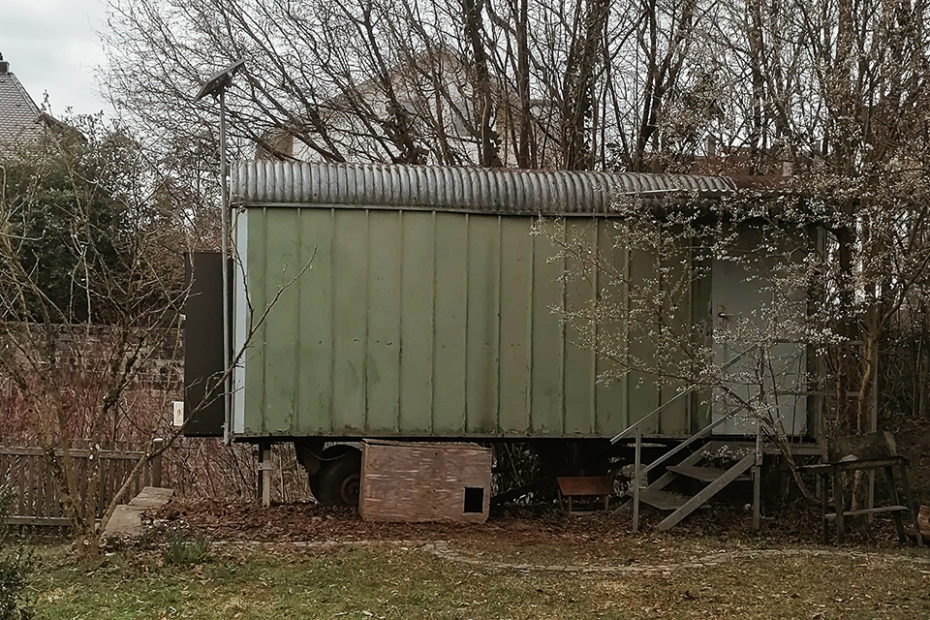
[16, 566]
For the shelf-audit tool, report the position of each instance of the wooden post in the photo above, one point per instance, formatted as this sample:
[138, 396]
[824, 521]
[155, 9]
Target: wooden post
[156, 461]
[873, 427]
[264, 473]
[637, 462]
[840, 501]
[824, 505]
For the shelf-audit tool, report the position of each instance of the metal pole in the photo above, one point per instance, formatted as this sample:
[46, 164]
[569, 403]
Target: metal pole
[757, 480]
[637, 463]
[224, 232]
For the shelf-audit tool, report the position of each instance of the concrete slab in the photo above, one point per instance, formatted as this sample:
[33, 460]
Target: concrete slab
[126, 521]
[127, 518]
[152, 497]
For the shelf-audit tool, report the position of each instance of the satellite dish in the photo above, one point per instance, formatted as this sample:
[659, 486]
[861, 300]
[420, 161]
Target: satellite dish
[219, 82]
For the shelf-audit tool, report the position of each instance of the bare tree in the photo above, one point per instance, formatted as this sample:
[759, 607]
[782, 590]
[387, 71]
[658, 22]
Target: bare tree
[91, 294]
[826, 103]
[581, 84]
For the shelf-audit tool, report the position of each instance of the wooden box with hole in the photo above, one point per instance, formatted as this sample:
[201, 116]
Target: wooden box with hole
[425, 481]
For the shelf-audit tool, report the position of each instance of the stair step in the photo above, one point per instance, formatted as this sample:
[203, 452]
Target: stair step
[704, 474]
[865, 511]
[663, 500]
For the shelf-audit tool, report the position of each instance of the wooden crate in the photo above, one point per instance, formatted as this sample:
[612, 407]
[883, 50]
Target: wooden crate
[425, 481]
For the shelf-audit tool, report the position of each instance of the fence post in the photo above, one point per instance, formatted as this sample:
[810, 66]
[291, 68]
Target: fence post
[156, 461]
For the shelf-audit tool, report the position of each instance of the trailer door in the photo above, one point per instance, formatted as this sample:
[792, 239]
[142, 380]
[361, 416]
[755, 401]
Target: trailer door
[755, 327]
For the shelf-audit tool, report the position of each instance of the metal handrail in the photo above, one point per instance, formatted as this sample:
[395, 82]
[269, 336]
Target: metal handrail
[639, 471]
[635, 425]
[698, 435]
[632, 427]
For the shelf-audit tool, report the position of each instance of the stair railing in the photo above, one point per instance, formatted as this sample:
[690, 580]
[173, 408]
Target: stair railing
[636, 429]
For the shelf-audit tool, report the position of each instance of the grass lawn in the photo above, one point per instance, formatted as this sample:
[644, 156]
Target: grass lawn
[394, 580]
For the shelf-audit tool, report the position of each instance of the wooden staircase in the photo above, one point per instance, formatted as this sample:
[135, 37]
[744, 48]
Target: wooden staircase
[693, 469]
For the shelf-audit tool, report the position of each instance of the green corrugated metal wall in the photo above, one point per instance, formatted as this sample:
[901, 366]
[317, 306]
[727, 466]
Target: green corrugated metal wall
[420, 323]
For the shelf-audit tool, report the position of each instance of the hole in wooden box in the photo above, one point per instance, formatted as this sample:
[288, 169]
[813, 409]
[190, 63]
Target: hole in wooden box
[474, 499]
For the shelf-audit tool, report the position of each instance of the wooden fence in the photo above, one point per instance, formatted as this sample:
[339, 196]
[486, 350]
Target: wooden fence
[38, 495]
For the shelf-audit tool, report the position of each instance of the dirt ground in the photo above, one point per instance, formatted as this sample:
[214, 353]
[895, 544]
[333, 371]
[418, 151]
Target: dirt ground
[308, 522]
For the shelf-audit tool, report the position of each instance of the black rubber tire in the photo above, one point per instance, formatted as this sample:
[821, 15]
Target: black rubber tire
[337, 483]
[314, 481]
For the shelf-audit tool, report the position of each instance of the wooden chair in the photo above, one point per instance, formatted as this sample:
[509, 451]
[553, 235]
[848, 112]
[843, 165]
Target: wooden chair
[870, 452]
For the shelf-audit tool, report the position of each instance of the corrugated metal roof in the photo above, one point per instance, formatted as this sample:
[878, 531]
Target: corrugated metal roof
[460, 189]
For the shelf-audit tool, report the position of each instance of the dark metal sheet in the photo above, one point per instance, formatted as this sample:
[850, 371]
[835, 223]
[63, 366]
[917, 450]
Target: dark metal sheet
[203, 345]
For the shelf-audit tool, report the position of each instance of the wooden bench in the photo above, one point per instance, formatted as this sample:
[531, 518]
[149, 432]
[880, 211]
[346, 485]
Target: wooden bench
[598, 488]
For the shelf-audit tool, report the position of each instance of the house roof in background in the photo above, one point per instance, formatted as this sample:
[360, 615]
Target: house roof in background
[19, 115]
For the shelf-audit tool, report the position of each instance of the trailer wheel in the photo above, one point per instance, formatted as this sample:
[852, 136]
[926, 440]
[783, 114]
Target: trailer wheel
[338, 482]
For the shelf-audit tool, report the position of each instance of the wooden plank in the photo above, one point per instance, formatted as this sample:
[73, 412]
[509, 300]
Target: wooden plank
[642, 388]
[707, 492]
[704, 474]
[28, 490]
[38, 500]
[581, 486]
[21, 464]
[74, 452]
[865, 511]
[41, 487]
[39, 521]
[663, 500]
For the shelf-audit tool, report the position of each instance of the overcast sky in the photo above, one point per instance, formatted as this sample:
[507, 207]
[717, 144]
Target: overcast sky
[52, 46]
